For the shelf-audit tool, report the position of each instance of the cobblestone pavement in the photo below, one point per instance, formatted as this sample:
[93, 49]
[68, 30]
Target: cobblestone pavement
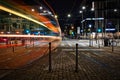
[92, 65]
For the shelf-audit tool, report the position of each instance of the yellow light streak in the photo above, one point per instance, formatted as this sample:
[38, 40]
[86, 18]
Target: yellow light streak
[21, 15]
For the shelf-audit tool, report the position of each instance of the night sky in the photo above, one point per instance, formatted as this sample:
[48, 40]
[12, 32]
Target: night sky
[63, 7]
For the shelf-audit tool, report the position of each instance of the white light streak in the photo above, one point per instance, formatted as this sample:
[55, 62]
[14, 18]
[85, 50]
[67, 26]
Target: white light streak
[28, 36]
[110, 29]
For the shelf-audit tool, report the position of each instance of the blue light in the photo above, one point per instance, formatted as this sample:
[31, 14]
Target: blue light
[81, 30]
[99, 30]
[27, 31]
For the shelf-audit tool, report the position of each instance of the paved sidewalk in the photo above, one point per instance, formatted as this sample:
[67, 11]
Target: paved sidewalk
[97, 64]
[92, 66]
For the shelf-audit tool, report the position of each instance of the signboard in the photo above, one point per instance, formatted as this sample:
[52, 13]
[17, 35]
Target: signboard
[92, 19]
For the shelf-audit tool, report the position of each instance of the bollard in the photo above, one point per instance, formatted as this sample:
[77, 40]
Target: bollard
[98, 43]
[50, 57]
[89, 42]
[13, 49]
[76, 67]
[33, 43]
[92, 42]
[112, 45]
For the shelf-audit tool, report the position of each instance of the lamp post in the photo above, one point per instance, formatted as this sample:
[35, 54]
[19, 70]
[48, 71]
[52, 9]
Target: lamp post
[83, 20]
[90, 42]
[81, 12]
[116, 10]
[83, 8]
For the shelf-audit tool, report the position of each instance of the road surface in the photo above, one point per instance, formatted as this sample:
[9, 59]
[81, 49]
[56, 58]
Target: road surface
[93, 64]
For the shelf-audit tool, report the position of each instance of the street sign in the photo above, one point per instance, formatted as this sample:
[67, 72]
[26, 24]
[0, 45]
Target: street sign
[92, 19]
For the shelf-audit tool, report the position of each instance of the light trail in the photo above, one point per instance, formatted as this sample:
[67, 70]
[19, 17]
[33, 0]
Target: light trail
[34, 36]
[21, 15]
[47, 25]
[36, 17]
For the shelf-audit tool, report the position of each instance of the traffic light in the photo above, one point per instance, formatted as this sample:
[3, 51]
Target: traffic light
[99, 30]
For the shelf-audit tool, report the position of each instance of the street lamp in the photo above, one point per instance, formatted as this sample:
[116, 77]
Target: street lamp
[90, 25]
[115, 10]
[83, 8]
[32, 10]
[81, 12]
[69, 15]
[41, 7]
[92, 9]
[56, 16]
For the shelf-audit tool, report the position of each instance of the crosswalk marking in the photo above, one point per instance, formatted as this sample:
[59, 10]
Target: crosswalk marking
[83, 50]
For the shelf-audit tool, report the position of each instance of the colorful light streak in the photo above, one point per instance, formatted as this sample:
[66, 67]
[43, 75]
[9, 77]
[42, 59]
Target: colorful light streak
[21, 15]
[35, 14]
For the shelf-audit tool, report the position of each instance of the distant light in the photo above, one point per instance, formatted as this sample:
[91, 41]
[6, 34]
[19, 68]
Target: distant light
[8, 32]
[90, 25]
[80, 11]
[10, 14]
[115, 10]
[69, 15]
[49, 13]
[72, 33]
[33, 10]
[56, 16]
[92, 9]
[1, 32]
[27, 31]
[81, 30]
[17, 32]
[5, 39]
[44, 11]
[72, 27]
[88, 29]
[41, 7]
[38, 32]
[93, 33]
[83, 7]
[99, 30]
